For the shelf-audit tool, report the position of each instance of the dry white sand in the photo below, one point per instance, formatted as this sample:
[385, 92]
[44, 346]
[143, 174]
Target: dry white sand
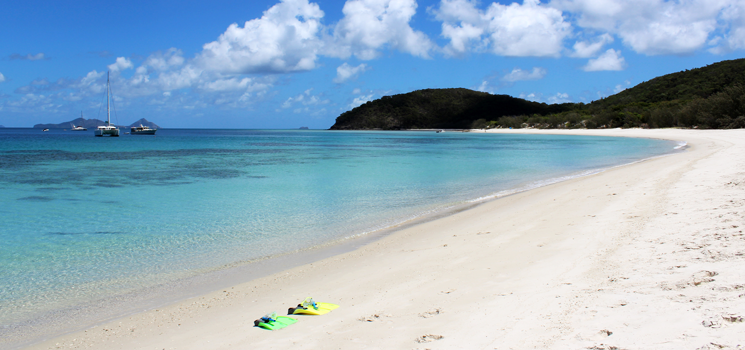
[644, 256]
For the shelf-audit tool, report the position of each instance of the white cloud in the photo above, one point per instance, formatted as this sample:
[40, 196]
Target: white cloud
[346, 72]
[518, 74]
[36, 102]
[530, 29]
[172, 57]
[284, 39]
[180, 79]
[560, 97]
[120, 64]
[734, 16]
[370, 25]
[360, 100]
[484, 87]
[585, 49]
[610, 60]
[2, 78]
[227, 84]
[463, 24]
[530, 97]
[652, 27]
[621, 87]
[301, 103]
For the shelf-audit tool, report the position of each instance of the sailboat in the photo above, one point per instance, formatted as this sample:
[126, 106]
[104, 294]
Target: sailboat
[108, 129]
[78, 128]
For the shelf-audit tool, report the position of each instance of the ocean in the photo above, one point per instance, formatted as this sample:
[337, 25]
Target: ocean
[86, 218]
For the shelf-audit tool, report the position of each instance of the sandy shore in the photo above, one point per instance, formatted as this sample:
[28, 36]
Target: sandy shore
[644, 256]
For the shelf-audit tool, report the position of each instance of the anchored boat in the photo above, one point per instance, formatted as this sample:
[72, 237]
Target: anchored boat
[78, 128]
[108, 129]
[142, 130]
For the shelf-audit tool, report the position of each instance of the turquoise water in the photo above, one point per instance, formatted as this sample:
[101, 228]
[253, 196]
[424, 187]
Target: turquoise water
[84, 217]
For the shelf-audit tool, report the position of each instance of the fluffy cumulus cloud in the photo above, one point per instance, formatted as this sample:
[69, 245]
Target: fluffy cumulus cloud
[527, 29]
[518, 74]
[733, 16]
[288, 37]
[120, 64]
[370, 25]
[346, 72]
[652, 27]
[165, 60]
[610, 60]
[243, 64]
[284, 39]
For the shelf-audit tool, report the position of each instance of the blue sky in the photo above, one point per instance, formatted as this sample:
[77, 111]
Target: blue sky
[287, 64]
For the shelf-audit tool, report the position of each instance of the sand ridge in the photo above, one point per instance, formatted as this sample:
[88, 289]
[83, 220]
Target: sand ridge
[644, 256]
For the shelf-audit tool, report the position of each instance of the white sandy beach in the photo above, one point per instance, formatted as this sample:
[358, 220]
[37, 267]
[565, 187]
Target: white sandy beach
[644, 256]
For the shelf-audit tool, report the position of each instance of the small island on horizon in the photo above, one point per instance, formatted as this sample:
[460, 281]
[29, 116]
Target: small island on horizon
[94, 123]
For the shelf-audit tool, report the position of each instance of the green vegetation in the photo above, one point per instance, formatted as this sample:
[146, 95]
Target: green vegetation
[711, 97]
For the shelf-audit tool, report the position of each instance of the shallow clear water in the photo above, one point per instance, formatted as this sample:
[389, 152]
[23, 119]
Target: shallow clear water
[85, 217]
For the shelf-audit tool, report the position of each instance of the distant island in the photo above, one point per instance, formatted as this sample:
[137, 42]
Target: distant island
[303, 128]
[93, 123]
[711, 97]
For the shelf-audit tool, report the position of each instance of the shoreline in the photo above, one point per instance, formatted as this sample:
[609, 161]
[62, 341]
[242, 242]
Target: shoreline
[419, 258]
[55, 323]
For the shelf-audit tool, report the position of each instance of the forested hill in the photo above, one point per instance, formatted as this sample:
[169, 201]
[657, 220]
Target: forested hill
[707, 97]
[686, 85]
[437, 108]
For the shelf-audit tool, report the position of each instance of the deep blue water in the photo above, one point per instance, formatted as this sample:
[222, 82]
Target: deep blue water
[85, 217]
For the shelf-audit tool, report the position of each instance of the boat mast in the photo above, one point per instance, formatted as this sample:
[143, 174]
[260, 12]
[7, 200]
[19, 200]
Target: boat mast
[108, 110]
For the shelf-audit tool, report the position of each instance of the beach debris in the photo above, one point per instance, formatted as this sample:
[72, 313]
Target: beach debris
[431, 313]
[732, 318]
[703, 277]
[604, 347]
[606, 332]
[429, 338]
[370, 318]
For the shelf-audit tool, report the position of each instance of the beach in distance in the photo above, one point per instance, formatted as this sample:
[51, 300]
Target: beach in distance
[647, 255]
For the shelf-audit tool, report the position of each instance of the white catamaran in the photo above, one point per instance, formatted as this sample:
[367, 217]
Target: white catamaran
[108, 129]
